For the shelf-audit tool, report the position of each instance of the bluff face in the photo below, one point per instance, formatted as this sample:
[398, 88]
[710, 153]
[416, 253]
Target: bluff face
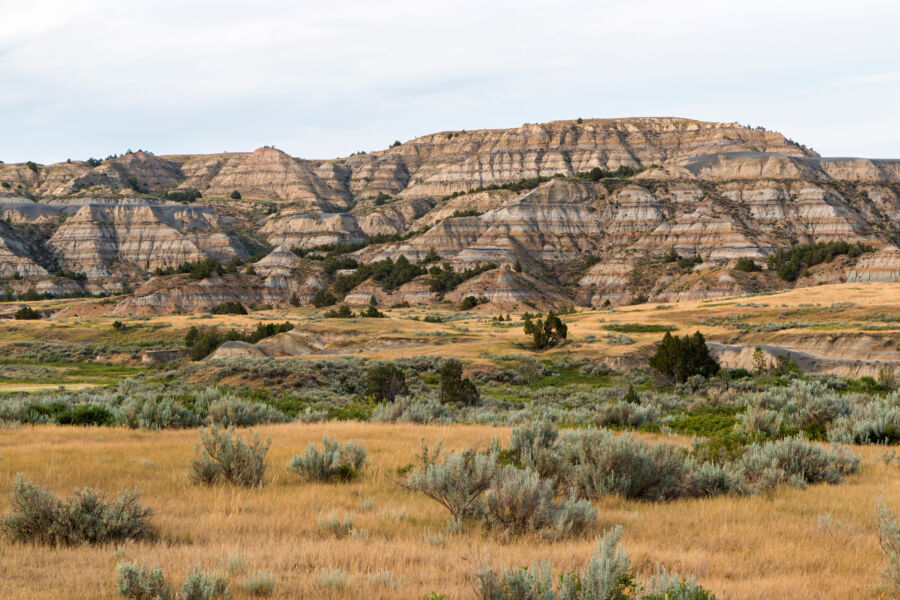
[510, 197]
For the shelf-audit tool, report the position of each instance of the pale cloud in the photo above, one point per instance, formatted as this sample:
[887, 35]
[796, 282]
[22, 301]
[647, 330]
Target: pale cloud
[320, 79]
[874, 78]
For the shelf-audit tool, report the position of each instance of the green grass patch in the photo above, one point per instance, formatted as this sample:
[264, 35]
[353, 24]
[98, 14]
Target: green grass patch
[572, 376]
[709, 421]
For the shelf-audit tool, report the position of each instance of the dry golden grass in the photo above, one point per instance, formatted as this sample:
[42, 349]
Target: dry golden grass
[764, 547]
[473, 333]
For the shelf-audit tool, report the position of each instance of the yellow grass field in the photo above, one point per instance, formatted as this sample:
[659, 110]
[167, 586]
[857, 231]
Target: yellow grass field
[823, 309]
[818, 543]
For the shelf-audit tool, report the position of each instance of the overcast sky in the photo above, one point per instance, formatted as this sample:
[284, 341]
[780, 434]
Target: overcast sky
[81, 78]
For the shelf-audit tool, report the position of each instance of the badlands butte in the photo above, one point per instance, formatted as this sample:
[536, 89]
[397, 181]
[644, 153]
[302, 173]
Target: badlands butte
[520, 208]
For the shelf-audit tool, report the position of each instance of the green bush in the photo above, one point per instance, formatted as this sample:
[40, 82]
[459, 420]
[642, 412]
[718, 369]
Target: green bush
[682, 357]
[599, 464]
[336, 461]
[26, 313]
[790, 263]
[371, 312]
[323, 298]
[384, 382]
[445, 279]
[235, 195]
[343, 312]
[518, 501]
[547, 333]
[85, 518]
[223, 456]
[606, 576]
[455, 481]
[796, 462]
[202, 269]
[85, 415]
[136, 582]
[229, 308]
[152, 413]
[468, 303]
[455, 389]
[747, 265]
[234, 412]
[261, 583]
[204, 586]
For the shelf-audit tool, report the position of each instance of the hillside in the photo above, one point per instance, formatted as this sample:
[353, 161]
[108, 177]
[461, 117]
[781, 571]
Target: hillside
[591, 210]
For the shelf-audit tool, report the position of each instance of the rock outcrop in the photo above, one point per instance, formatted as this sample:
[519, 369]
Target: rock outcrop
[719, 191]
[101, 237]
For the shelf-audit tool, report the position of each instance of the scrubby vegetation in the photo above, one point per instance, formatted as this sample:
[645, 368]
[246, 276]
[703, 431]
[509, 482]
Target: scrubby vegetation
[588, 464]
[889, 539]
[202, 269]
[683, 357]
[222, 456]
[747, 265]
[607, 575]
[228, 308]
[26, 313]
[138, 582]
[596, 174]
[792, 262]
[546, 333]
[88, 517]
[384, 382]
[335, 462]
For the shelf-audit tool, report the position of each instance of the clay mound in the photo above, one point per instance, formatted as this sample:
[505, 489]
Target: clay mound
[310, 230]
[416, 293]
[290, 343]
[882, 266]
[508, 290]
[236, 349]
[181, 294]
[280, 262]
[268, 173]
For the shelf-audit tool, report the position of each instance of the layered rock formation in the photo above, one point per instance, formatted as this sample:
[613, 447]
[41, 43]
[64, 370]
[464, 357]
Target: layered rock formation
[716, 190]
[101, 237]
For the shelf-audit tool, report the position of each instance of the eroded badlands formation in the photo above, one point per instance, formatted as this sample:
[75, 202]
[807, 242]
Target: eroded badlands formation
[720, 191]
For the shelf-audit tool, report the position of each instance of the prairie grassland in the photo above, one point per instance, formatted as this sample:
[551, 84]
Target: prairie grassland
[468, 335]
[814, 543]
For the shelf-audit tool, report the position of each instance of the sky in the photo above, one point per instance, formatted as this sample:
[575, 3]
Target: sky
[83, 78]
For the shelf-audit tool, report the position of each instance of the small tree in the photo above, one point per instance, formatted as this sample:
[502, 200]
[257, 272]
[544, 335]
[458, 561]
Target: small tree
[548, 333]
[760, 363]
[455, 389]
[683, 357]
[631, 396]
[235, 195]
[385, 382]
